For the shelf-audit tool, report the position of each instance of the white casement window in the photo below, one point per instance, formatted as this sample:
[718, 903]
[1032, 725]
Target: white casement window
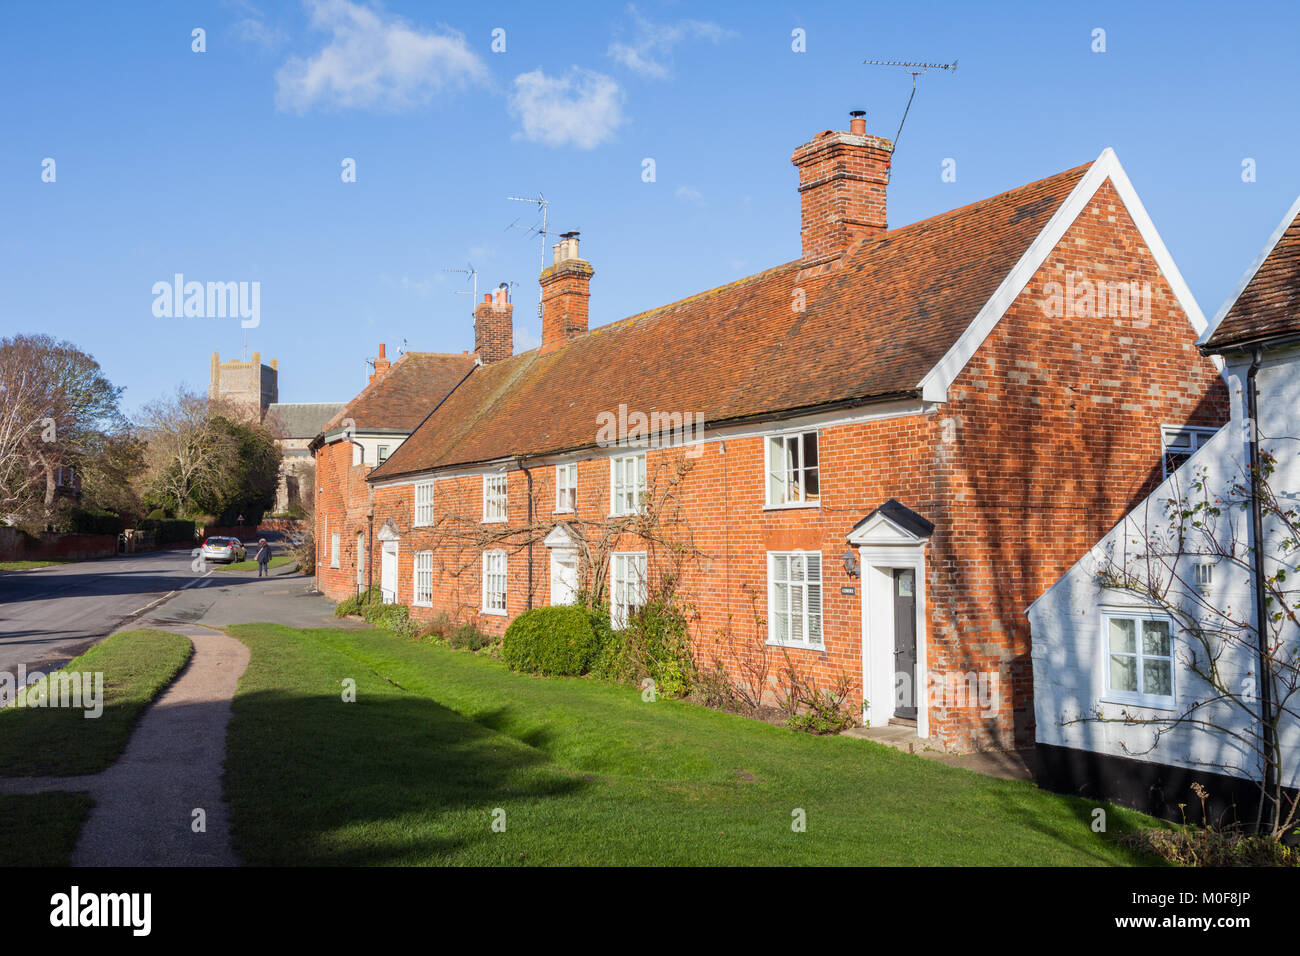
[382, 455]
[793, 474]
[358, 453]
[494, 582]
[627, 587]
[424, 578]
[494, 498]
[423, 503]
[1179, 444]
[566, 487]
[627, 484]
[1139, 658]
[794, 598]
[334, 550]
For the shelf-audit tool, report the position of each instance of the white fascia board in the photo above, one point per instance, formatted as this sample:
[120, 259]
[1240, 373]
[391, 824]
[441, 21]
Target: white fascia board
[869, 411]
[1267, 251]
[934, 387]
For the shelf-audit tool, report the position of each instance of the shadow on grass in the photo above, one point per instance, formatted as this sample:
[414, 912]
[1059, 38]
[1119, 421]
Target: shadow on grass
[389, 779]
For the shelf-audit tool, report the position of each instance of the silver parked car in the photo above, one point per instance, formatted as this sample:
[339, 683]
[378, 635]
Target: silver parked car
[225, 550]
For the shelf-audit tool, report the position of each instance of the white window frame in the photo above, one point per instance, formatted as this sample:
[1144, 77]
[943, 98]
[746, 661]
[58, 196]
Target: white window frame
[335, 546]
[802, 470]
[627, 570]
[777, 640]
[358, 453]
[619, 490]
[1198, 435]
[424, 515]
[562, 484]
[381, 453]
[492, 498]
[490, 571]
[1142, 616]
[422, 564]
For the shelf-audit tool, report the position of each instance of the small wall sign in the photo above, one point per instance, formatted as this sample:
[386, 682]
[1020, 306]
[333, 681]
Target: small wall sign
[848, 590]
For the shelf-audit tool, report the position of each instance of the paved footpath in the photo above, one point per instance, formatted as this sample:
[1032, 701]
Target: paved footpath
[172, 766]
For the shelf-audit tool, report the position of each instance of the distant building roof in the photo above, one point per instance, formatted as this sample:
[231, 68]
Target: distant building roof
[399, 398]
[300, 419]
[1267, 304]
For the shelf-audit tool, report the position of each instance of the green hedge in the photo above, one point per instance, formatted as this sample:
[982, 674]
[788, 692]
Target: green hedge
[166, 530]
[551, 640]
[85, 521]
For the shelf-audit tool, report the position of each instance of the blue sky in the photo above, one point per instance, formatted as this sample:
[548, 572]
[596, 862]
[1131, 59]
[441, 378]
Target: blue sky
[225, 165]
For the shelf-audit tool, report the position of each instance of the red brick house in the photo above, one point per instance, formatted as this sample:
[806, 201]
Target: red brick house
[871, 458]
[361, 436]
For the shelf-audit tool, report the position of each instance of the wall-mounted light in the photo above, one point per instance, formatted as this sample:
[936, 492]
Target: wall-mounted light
[850, 563]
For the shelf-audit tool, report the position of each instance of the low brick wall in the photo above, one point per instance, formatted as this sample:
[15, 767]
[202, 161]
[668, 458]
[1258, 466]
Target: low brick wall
[286, 526]
[16, 545]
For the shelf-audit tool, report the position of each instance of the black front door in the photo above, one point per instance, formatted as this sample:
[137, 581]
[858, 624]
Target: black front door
[905, 643]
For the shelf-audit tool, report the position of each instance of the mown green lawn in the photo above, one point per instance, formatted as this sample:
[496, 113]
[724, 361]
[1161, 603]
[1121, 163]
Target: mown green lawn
[28, 565]
[278, 560]
[58, 741]
[439, 744]
[40, 829]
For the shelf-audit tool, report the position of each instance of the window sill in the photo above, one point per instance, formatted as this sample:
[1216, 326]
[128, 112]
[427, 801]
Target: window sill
[494, 521]
[797, 645]
[1146, 703]
[795, 506]
[428, 604]
[563, 511]
[496, 613]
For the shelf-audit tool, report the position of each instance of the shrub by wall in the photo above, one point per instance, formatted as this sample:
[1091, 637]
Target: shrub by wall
[551, 640]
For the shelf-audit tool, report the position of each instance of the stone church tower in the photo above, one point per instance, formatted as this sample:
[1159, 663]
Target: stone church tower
[255, 388]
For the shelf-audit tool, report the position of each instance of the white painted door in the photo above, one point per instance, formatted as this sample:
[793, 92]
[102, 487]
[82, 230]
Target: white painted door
[564, 577]
[388, 572]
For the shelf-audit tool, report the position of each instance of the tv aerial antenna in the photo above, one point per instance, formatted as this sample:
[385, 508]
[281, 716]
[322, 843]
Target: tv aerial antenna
[537, 228]
[916, 69]
[473, 278]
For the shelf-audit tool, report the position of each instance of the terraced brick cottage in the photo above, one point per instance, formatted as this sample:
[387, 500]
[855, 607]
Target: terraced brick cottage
[360, 436]
[907, 434]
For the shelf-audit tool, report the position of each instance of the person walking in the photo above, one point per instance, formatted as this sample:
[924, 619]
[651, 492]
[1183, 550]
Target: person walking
[263, 557]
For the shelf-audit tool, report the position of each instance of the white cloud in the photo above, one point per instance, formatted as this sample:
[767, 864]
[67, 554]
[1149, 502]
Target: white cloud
[526, 339]
[581, 108]
[259, 33]
[374, 60]
[690, 194]
[650, 52]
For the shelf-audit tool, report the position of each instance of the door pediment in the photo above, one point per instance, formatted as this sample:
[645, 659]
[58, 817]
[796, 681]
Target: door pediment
[893, 523]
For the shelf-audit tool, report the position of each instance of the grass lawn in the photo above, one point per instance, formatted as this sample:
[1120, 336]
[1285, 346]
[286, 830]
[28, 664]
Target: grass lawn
[61, 741]
[41, 829]
[28, 565]
[441, 743]
[278, 560]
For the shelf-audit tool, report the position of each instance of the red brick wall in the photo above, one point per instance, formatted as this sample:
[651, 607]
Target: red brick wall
[342, 503]
[16, 545]
[1050, 434]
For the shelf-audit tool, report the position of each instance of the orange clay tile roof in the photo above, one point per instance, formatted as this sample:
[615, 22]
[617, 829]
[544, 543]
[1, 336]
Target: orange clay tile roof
[870, 330]
[399, 399]
[1270, 304]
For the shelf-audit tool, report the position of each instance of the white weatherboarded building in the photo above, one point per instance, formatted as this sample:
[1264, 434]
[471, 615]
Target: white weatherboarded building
[1137, 648]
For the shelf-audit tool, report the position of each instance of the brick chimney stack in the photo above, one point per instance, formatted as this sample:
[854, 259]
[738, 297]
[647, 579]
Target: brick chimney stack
[842, 183]
[494, 336]
[566, 287]
[381, 364]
